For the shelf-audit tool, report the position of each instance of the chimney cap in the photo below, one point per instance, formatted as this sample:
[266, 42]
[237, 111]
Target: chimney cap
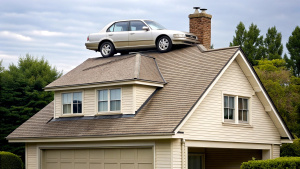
[196, 7]
[196, 10]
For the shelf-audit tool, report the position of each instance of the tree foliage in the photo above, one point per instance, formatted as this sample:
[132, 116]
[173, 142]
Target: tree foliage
[273, 45]
[250, 41]
[293, 46]
[283, 88]
[22, 95]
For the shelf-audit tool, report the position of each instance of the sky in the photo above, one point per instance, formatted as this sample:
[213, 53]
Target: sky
[57, 29]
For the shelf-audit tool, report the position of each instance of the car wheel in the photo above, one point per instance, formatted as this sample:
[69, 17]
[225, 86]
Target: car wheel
[164, 44]
[107, 49]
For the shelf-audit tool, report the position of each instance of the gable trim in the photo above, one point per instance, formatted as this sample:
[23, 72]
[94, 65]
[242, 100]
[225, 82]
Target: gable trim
[207, 90]
[270, 108]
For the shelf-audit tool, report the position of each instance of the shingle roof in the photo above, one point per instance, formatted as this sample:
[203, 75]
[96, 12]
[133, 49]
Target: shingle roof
[188, 71]
[118, 68]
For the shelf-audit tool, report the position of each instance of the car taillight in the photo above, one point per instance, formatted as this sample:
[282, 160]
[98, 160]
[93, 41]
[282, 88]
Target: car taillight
[88, 38]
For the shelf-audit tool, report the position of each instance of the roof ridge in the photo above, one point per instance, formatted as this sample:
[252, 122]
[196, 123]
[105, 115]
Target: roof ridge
[116, 60]
[137, 65]
[213, 50]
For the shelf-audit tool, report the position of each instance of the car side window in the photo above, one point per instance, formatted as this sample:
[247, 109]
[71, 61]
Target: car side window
[121, 26]
[136, 25]
[111, 28]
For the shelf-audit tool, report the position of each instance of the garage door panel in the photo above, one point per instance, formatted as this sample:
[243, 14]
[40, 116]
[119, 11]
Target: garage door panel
[81, 154]
[112, 154]
[80, 165]
[66, 165]
[145, 166]
[66, 154]
[111, 166]
[110, 158]
[96, 166]
[144, 154]
[97, 154]
[127, 166]
[51, 165]
[128, 153]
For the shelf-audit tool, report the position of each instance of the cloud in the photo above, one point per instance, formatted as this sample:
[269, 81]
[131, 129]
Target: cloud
[47, 33]
[8, 34]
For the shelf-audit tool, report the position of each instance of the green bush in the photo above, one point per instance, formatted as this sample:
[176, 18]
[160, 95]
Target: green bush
[278, 163]
[10, 161]
[290, 150]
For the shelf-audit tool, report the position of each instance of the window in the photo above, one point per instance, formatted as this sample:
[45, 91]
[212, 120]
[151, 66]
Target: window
[118, 27]
[243, 109]
[109, 100]
[72, 103]
[136, 25]
[228, 107]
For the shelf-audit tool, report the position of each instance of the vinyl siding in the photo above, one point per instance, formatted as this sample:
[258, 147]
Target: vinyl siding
[142, 94]
[276, 151]
[89, 103]
[163, 154]
[176, 154]
[57, 99]
[127, 100]
[32, 156]
[206, 122]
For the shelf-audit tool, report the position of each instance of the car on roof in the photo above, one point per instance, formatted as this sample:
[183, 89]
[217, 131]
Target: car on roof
[128, 35]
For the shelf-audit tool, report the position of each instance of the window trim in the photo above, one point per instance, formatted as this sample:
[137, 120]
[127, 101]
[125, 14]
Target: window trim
[108, 100]
[236, 110]
[242, 121]
[82, 104]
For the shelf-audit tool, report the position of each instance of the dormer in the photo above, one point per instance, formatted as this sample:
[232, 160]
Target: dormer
[116, 85]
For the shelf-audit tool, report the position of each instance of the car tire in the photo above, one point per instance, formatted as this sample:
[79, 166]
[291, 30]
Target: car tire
[164, 44]
[107, 49]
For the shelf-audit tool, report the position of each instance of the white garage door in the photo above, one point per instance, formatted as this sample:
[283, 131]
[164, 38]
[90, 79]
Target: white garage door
[123, 158]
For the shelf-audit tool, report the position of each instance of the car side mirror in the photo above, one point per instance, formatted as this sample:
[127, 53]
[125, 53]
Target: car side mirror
[145, 28]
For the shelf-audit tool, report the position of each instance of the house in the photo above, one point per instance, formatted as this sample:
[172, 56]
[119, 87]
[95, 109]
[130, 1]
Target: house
[186, 109]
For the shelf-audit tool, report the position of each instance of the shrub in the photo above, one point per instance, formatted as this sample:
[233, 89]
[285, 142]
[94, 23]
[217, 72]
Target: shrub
[278, 163]
[10, 161]
[290, 150]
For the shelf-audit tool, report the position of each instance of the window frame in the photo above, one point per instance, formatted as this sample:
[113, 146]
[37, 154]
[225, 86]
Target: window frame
[243, 121]
[236, 111]
[136, 21]
[234, 108]
[72, 97]
[114, 25]
[108, 112]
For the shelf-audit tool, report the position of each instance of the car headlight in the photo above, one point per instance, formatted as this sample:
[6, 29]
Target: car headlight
[179, 35]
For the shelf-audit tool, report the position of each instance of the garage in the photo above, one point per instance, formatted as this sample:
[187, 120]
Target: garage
[105, 158]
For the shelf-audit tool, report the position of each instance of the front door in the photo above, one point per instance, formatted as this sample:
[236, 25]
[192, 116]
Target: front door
[195, 161]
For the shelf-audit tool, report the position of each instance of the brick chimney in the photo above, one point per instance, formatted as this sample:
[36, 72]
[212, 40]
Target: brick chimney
[200, 24]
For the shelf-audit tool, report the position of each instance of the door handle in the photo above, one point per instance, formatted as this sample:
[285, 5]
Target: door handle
[132, 33]
[110, 34]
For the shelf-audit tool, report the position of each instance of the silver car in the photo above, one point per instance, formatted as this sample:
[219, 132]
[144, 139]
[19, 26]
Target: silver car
[123, 36]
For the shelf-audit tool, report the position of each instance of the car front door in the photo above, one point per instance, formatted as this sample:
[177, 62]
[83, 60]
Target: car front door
[118, 33]
[139, 37]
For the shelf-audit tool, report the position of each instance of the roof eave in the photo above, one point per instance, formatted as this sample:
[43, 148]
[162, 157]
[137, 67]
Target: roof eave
[107, 83]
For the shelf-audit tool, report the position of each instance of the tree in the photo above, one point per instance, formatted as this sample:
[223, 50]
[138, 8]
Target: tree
[293, 46]
[283, 88]
[240, 33]
[22, 95]
[273, 45]
[250, 41]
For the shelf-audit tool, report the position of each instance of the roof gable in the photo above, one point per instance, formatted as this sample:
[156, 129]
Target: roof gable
[258, 88]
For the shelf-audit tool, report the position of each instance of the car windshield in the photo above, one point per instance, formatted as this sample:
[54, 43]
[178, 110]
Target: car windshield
[155, 25]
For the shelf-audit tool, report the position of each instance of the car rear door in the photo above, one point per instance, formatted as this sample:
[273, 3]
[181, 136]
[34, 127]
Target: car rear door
[118, 33]
[139, 37]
